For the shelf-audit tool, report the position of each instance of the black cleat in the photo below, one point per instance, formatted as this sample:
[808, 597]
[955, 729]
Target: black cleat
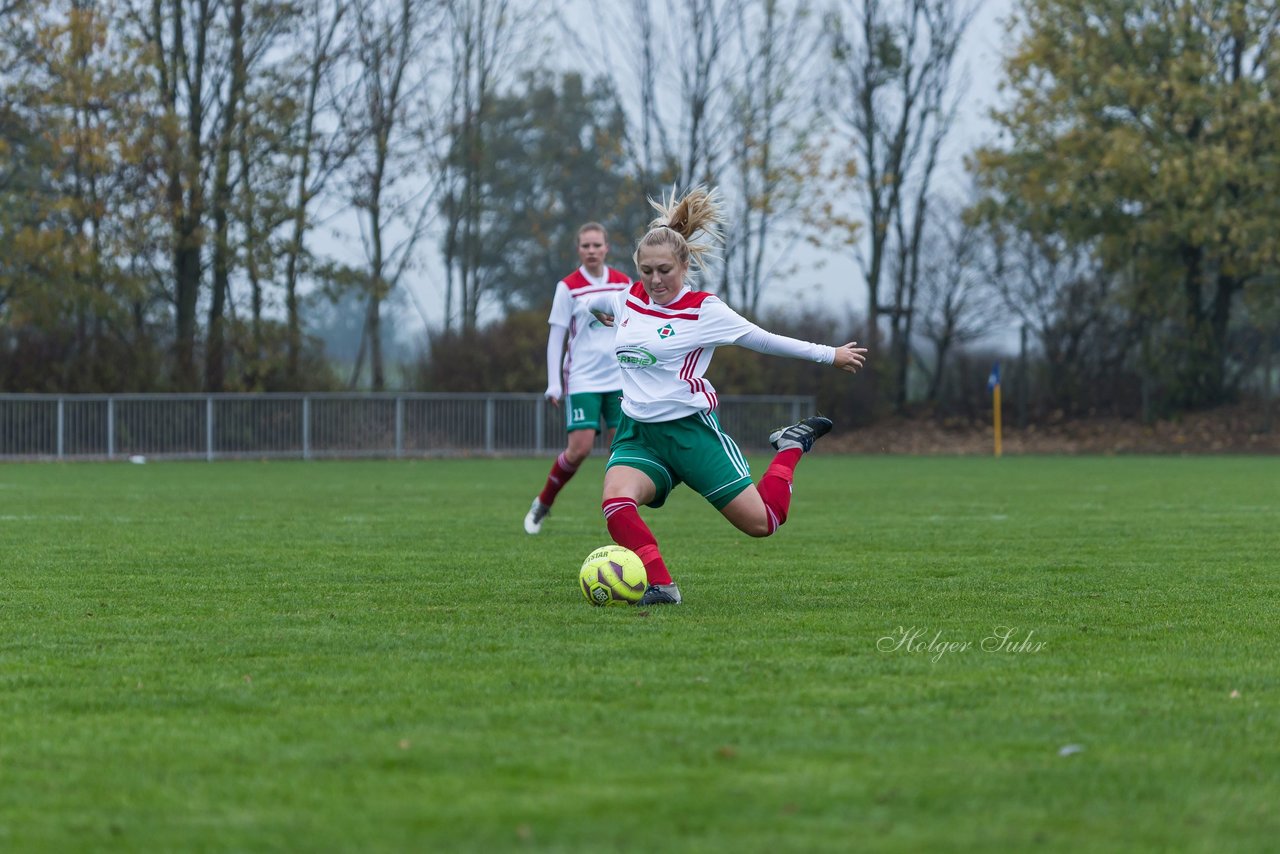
[660, 594]
[801, 435]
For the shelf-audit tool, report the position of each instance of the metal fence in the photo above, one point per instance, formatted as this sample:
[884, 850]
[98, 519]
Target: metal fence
[309, 426]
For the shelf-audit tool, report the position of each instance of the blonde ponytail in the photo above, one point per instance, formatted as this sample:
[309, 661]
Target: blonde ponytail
[679, 220]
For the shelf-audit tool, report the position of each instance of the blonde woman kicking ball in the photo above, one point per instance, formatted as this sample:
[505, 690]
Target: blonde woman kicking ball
[666, 333]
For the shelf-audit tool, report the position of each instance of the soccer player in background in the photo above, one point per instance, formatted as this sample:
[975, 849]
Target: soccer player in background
[585, 374]
[669, 432]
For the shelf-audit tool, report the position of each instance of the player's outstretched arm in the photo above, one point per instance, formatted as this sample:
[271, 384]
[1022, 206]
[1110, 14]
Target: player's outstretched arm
[850, 357]
[847, 357]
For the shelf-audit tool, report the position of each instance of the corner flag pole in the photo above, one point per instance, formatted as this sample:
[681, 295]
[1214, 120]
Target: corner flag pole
[993, 383]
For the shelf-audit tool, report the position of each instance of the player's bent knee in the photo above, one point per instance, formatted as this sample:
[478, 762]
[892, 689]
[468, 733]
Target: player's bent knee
[749, 514]
[754, 527]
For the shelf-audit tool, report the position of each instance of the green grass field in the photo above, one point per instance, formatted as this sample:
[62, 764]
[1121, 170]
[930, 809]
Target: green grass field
[375, 657]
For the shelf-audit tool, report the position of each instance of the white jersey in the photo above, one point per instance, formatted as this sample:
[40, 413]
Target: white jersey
[665, 350]
[589, 365]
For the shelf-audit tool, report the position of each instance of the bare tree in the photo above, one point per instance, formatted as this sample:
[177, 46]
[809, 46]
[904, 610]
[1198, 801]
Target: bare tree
[672, 64]
[244, 124]
[317, 152]
[893, 67]
[1062, 291]
[388, 194]
[957, 300]
[483, 51]
[718, 97]
[177, 35]
[771, 124]
[225, 145]
[202, 55]
[910, 223]
[651, 129]
[703, 71]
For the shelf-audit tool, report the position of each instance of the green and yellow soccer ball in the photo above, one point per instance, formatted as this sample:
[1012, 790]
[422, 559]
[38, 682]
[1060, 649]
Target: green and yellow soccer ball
[612, 575]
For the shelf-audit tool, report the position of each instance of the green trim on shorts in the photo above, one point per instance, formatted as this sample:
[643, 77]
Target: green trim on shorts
[583, 410]
[692, 450]
[735, 455]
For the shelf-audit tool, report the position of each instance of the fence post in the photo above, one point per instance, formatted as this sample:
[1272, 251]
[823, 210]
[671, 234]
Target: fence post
[795, 411]
[208, 428]
[111, 428]
[306, 428]
[488, 425]
[539, 423]
[399, 427]
[62, 418]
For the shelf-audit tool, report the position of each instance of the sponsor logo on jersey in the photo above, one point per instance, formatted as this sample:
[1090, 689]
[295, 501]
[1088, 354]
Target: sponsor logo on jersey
[635, 357]
[666, 331]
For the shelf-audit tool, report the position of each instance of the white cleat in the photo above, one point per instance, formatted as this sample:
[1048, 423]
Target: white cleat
[533, 519]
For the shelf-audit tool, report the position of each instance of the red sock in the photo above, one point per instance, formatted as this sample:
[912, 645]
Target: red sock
[775, 486]
[561, 471]
[629, 531]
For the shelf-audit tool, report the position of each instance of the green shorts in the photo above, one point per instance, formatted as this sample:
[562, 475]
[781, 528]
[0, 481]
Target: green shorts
[582, 411]
[692, 449]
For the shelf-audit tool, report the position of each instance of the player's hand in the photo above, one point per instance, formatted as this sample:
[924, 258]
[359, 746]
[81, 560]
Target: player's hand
[603, 317]
[850, 357]
[554, 397]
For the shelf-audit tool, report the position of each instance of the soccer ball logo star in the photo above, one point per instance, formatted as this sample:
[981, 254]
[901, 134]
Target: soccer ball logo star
[666, 331]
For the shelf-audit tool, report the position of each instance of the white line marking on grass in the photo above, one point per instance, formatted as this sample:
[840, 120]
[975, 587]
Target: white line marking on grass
[994, 517]
[33, 518]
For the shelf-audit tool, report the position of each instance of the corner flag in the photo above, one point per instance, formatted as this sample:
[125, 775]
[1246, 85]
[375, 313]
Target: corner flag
[993, 386]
